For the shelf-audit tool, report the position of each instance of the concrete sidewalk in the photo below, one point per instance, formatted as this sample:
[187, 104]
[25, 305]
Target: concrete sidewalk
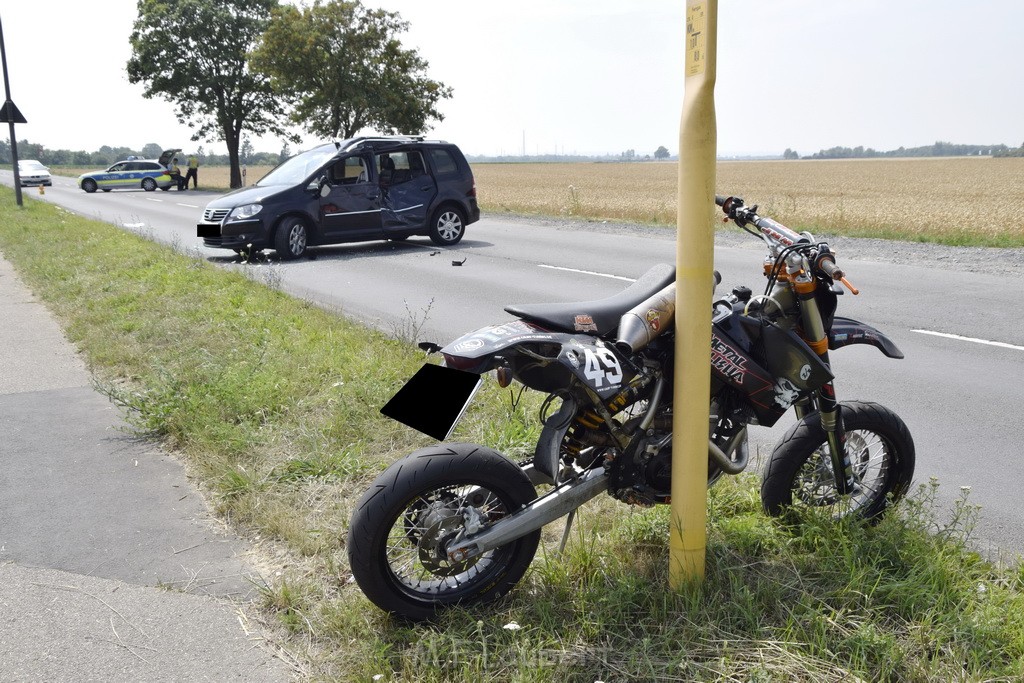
[111, 567]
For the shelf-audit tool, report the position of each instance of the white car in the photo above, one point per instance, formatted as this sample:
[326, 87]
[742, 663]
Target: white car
[31, 172]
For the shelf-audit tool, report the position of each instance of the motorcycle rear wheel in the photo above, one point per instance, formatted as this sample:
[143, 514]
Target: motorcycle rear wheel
[403, 521]
[799, 471]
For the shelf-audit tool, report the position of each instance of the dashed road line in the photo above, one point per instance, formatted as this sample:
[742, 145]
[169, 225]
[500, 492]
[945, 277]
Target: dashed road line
[974, 340]
[587, 272]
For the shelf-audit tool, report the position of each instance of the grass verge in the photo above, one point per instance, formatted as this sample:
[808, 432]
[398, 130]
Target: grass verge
[273, 403]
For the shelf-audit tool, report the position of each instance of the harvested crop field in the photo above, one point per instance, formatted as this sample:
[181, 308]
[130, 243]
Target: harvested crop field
[947, 200]
[957, 201]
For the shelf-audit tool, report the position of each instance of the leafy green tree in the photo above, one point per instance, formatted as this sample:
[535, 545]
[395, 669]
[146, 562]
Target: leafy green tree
[152, 151]
[245, 154]
[193, 53]
[661, 153]
[30, 150]
[343, 69]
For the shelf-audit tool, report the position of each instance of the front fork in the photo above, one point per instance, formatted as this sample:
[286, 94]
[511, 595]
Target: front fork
[828, 408]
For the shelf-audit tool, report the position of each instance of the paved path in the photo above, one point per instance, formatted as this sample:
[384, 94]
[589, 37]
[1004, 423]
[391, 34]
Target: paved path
[111, 567]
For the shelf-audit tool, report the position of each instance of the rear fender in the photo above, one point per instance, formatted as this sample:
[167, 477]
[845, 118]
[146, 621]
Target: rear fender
[846, 331]
[480, 350]
[540, 359]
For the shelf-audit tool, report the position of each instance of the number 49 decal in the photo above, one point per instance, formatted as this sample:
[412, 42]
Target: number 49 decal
[601, 366]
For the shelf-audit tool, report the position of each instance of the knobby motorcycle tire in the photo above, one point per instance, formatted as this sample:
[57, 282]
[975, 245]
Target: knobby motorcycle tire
[420, 472]
[807, 436]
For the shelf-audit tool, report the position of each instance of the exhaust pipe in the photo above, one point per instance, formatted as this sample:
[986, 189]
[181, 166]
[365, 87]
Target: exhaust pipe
[648, 319]
[645, 321]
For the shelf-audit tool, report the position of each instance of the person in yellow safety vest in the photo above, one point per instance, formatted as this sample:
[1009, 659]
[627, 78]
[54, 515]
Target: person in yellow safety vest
[193, 172]
[175, 174]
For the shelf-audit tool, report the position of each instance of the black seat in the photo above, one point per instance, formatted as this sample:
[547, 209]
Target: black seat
[596, 317]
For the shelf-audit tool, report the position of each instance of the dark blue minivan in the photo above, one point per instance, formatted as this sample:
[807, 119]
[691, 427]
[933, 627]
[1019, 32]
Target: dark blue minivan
[363, 189]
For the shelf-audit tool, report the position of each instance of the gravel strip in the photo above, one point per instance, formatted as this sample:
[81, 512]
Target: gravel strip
[986, 260]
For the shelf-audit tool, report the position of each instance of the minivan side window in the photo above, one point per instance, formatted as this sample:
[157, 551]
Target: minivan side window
[349, 171]
[444, 162]
[395, 168]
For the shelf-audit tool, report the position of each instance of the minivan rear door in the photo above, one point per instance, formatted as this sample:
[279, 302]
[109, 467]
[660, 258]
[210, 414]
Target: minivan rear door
[407, 191]
[350, 203]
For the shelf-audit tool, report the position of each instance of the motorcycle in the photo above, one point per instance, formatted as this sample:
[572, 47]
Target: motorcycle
[459, 523]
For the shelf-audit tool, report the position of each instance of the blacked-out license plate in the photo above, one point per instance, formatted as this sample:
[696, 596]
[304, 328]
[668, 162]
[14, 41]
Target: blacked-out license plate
[206, 230]
[433, 400]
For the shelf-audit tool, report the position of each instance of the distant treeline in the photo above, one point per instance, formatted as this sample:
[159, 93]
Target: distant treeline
[939, 149]
[106, 155]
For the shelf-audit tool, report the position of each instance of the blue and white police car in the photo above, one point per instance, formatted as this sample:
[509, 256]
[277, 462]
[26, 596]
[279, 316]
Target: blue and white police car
[148, 174]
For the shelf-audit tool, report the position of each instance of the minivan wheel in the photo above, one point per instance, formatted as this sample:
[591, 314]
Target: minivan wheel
[291, 238]
[447, 226]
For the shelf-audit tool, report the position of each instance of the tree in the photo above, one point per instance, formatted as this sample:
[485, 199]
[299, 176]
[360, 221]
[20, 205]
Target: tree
[790, 154]
[246, 152]
[343, 69]
[193, 53]
[661, 153]
[152, 151]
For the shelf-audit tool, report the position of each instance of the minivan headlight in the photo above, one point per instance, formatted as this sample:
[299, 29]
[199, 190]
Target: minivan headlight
[245, 211]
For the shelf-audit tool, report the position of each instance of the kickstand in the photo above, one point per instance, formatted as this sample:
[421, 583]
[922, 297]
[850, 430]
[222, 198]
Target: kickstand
[565, 534]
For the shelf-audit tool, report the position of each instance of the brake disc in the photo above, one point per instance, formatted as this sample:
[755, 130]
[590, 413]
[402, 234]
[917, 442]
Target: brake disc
[432, 546]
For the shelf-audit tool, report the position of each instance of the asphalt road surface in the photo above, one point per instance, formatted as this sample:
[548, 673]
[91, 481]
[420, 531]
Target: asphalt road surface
[959, 388]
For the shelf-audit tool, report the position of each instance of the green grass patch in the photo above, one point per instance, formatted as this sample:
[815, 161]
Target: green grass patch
[273, 403]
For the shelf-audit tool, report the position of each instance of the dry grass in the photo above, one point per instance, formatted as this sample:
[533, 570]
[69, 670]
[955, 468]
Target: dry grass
[951, 200]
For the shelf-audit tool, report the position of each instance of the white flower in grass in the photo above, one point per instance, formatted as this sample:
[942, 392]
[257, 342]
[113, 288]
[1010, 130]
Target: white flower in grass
[512, 626]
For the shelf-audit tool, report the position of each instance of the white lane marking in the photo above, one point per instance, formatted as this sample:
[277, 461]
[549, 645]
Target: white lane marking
[587, 272]
[154, 200]
[971, 339]
[190, 206]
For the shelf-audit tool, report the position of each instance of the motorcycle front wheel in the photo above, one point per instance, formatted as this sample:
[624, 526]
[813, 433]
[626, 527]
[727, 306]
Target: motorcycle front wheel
[406, 518]
[881, 450]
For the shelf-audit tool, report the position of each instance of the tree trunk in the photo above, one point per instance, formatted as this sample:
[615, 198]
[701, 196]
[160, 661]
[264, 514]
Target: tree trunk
[231, 138]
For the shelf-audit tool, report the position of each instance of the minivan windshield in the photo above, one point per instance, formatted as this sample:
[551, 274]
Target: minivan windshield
[299, 167]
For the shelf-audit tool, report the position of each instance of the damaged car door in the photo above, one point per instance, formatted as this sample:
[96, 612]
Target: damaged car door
[407, 192]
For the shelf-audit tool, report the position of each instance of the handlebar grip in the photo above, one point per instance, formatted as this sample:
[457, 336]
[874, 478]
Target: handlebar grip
[720, 200]
[829, 267]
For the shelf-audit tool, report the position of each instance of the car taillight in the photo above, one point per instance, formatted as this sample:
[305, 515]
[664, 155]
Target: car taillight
[472, 192]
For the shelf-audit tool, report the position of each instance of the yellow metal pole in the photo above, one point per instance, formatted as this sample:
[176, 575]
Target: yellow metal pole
[694, 272]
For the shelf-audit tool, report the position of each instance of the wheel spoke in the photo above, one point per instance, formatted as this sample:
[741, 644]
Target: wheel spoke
[815, 484]
[427, 522]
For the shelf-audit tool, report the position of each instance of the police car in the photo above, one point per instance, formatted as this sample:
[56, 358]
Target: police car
[148, 174]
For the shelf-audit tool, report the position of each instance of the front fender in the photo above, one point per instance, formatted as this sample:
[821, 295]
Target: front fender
[846, 331]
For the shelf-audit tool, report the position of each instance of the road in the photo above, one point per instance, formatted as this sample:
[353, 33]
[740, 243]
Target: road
[961, 398]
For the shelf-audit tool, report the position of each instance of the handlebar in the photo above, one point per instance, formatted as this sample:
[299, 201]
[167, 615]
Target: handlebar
[777, 232]
[778, 235]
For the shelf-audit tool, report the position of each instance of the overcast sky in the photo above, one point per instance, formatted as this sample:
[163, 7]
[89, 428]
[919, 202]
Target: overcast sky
[597, 76]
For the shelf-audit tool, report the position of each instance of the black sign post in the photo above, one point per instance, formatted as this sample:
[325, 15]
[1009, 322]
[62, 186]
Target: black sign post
[11, 115]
